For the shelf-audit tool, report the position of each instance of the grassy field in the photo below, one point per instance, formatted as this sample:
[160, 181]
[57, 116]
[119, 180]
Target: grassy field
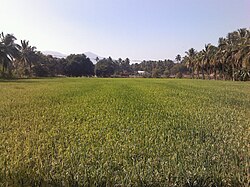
[124, 132]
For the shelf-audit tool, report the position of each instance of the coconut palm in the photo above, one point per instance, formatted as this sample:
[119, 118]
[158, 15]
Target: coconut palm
[243, 53]
[221, 55]
[26, 54]
[178, 58]
[215, 62]
[207, 56]
[231, 58]
[190, 60]
[205, 59]
[8, 51]
[197, 63]
[212, 60]
[233, 48]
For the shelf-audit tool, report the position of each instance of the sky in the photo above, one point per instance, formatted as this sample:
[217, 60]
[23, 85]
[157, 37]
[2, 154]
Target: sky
[137, 29]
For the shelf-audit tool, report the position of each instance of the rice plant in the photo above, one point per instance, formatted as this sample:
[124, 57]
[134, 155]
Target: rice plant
[124, 132]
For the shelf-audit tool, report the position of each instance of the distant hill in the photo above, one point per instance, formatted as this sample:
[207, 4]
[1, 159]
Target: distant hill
[54, 54]
[92, 56]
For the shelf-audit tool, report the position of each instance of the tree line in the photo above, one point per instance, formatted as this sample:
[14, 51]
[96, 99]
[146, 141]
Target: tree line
[25, 61]
[229, 60]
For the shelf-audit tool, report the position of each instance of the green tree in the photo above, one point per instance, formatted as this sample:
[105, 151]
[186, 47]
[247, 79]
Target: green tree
[26, 57]
[207, 55]
[155, 73]
[8, 52]
[231, 58]
[178, 58]
[79, 65]
[243, 54]
[104, 67]
[167, 73]
[178, 68]
[221, 57]
[198, 63]
[42, 65]
[189, 60]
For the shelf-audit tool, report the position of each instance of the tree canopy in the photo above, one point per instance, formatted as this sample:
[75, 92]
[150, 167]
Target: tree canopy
[79, 65]
[105, 67]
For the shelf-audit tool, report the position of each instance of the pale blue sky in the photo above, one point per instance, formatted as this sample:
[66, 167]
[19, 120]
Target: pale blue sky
[138, 29]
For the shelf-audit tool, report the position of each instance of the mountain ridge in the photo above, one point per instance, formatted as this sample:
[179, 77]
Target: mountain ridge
[54, 54]
[92, 56]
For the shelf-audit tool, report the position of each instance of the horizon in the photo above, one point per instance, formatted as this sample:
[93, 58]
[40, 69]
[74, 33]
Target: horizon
[141, 30]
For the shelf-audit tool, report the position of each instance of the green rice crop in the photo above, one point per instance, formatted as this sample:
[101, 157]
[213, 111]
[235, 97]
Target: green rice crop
[124, 132]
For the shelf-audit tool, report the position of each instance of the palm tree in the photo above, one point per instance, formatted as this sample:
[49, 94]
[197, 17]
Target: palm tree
[8, 51]
[197, 63]
[224, 57]
[26, 54]
[232, 52]
[178, 58]
[243, 53]
[231, 58]
[190, 59]
[214, 61]
[220, 56]
[205, 59]
[246, 57]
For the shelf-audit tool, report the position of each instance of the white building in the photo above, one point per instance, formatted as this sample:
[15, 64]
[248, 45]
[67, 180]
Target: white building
[141, 72]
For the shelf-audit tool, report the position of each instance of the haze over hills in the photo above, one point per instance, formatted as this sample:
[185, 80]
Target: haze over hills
[54, 54]
[90, 55]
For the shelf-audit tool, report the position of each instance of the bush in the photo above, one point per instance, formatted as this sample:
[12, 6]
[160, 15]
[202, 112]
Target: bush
[179, 75]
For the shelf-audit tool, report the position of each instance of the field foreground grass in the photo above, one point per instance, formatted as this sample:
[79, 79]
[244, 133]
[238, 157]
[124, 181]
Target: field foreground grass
[124, 132]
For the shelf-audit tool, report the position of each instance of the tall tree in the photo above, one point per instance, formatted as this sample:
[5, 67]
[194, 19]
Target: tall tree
[178, 58]
[198, 63]
[105, 67]
[79, 65]
[221, 56]
[189, 60]
[26, 56]
[8, 51]
[208, 52]
[243, 54]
